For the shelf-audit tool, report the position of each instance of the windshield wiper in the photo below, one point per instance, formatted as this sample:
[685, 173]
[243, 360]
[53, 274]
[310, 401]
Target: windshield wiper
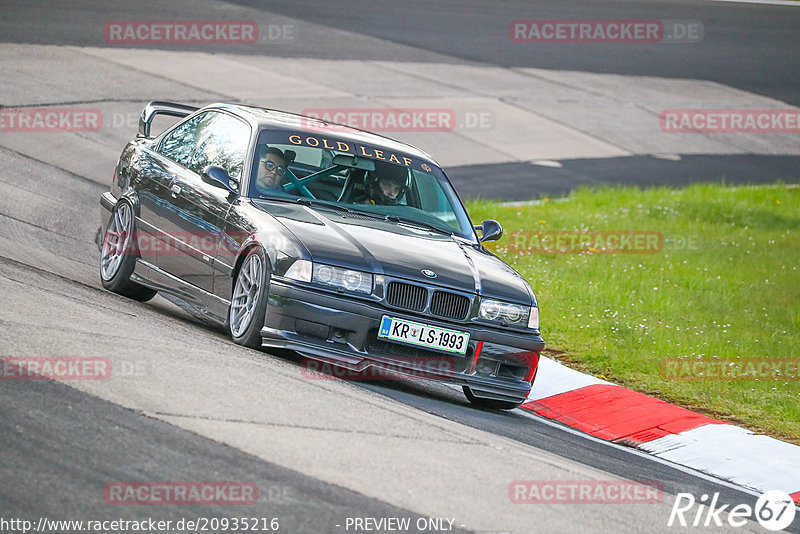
[277, 198]
[305, 201]
[390, 218]
[322, 204]
[338, 207]
[415, 222]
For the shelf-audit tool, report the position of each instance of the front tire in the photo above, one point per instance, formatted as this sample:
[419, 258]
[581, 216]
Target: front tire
[118, 255]
[249, 301]
[489, 403]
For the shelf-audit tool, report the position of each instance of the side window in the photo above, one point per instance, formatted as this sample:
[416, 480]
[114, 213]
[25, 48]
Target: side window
[179, 144]
[223, 142]
[210, 138]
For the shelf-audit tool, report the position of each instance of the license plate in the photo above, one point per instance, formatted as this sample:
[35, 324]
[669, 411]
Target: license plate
[423, 335]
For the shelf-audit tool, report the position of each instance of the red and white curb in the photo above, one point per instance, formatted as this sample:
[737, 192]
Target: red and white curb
[620, 415]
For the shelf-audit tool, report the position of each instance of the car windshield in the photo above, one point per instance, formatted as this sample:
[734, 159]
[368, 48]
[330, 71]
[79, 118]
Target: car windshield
[343, 174]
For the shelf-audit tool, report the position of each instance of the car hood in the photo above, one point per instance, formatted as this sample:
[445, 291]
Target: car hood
[400, 250]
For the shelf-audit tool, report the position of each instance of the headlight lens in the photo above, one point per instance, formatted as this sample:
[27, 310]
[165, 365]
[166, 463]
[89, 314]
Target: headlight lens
[490, 310]
[347, 279]
[504, 313]
[300, 271]
[324, 274]
[514, 313]
[533, 320]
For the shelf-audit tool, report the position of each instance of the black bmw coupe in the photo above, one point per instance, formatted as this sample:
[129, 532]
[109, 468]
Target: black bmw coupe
[343, 245]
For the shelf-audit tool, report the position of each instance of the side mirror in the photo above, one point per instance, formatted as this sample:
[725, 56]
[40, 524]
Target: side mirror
[219, 177]
[490, 230]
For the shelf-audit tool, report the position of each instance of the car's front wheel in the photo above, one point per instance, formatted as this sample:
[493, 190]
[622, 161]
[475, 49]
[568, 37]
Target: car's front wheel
[118, 255]
[489, 403]
[249, 301]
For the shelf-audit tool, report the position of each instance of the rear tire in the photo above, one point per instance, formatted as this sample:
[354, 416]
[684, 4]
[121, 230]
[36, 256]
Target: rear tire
[118, 255]
[489, 403]
[249, 300]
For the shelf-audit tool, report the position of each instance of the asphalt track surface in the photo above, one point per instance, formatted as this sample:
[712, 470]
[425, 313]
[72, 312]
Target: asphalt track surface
[62, 442]
[61, 447]
[750, 47]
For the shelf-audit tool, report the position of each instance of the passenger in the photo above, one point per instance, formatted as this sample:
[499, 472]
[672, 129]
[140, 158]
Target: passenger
[387, 184]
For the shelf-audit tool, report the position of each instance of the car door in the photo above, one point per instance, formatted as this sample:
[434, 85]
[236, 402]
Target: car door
[194, 208]
[156, 171]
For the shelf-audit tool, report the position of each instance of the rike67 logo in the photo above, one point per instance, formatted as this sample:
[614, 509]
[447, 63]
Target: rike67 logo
[774, 510]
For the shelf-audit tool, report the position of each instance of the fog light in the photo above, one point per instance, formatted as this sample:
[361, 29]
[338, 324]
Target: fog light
[485, 367]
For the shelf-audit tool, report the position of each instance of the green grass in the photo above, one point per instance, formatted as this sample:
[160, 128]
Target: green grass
[732, 293]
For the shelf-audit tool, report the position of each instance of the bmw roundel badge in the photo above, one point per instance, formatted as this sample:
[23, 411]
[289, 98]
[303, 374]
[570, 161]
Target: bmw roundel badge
[429, 273]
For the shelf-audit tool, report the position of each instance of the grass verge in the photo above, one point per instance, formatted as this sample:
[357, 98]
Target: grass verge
[706, 285]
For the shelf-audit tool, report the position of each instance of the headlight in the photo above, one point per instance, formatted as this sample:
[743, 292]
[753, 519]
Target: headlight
[505, 313]
[490, 310]
[324, 274]
[330, 276]
[347, 279]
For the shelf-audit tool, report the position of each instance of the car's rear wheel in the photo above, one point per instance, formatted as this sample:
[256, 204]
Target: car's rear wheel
[489, 403]
[249, 301]
[118, 255]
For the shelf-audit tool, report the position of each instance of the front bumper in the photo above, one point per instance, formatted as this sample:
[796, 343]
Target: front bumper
[107, 203]
[499, 365]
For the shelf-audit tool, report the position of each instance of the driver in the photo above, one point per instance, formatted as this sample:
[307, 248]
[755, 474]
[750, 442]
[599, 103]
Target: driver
[271, 169]
[387, 185]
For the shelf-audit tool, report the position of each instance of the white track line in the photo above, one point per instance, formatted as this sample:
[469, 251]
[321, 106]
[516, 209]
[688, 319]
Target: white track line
[767, 2]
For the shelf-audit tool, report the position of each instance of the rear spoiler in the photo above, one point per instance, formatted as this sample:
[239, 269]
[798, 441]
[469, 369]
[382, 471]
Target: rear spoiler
[161, 108]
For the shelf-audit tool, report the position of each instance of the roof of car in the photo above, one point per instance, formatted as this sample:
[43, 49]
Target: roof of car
[266, 117]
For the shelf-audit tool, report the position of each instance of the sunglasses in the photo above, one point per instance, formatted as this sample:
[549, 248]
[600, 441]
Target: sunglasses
[270, 166]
